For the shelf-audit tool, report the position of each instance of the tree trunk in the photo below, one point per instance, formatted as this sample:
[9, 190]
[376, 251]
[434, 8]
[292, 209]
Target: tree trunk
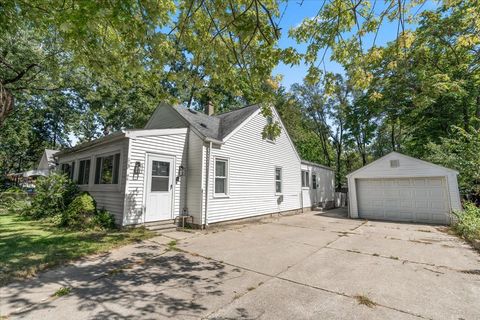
[477, 114]
[6, 103]
[392, 137]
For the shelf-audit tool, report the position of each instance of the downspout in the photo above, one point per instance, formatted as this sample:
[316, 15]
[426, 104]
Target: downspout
[207, 178]
[184, 179]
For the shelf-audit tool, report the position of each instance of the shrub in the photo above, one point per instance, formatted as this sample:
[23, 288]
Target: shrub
[9, 197]
[468, 224]
[104, 220]
[80, 213]
[53, 196]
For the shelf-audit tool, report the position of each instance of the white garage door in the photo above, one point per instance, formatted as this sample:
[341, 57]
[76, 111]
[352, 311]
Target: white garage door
[407, 199]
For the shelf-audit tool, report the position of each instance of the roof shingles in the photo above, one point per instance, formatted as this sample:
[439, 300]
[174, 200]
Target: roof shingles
[217, 126]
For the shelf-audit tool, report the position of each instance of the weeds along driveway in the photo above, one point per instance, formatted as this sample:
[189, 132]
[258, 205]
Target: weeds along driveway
[307, 266]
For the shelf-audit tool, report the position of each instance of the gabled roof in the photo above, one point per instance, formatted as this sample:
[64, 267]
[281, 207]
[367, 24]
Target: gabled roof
[47, 160]
[216, 127]
[403, 156]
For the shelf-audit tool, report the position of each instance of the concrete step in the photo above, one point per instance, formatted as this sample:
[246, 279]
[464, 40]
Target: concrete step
[163, 226]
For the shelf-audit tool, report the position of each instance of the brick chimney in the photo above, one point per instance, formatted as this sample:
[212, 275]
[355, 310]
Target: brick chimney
[210, 109]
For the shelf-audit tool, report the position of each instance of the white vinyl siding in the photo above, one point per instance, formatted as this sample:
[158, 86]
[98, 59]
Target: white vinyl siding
[170, 145]
[165, 117]
[111, 196]
[324, 194]
[251, 162]
[195, 183]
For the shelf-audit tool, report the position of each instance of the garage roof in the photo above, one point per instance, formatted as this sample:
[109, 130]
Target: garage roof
[399, 156]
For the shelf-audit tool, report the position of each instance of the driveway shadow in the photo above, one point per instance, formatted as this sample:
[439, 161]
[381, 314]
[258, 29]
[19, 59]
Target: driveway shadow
[143, 284]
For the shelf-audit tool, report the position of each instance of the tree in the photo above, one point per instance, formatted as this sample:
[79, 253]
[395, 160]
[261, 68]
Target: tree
[461, 153]
[142, 51]
[313, 102]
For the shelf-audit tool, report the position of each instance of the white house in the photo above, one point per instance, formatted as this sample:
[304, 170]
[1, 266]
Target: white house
[401, 188]
[212, 167]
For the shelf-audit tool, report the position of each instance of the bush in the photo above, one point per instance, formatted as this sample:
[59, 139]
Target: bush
[80, 213]
[104, 220]
[9, 197]
[53, 196]
[468, 224]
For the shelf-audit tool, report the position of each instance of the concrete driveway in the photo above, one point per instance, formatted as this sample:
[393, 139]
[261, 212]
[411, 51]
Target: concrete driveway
[309, 266]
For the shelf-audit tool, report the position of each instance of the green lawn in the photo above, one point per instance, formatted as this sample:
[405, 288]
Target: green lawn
[28, 246]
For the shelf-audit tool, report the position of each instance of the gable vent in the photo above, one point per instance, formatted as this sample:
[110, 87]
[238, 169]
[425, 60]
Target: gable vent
[394, 163]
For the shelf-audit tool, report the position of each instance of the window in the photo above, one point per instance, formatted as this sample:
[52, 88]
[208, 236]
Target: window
[160, 176]
[394, 163]
[305, 179]
[68, 169]
[84, 171]
[269, 132]
[221, 169]
[314, 181]
[278, 180]
[106, 169]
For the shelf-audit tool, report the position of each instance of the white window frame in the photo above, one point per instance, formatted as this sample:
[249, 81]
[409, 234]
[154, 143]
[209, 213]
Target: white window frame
[104, 155]
[305, 174]
[281, 180]
[89, 171]
[226, 177]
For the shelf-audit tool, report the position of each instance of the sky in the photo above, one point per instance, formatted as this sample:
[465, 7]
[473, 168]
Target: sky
[296, 11]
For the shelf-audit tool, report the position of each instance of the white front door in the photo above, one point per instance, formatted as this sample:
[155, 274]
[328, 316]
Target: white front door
[160, 183]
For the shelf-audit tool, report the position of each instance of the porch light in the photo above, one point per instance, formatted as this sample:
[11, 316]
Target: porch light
[181, 171]
[136, 169]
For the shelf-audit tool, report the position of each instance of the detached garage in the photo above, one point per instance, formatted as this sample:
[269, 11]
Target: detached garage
[397, 187]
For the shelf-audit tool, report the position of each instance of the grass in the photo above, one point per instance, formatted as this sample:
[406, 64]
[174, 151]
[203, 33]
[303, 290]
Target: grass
[364, 300]
[62, 292]
[29, 246]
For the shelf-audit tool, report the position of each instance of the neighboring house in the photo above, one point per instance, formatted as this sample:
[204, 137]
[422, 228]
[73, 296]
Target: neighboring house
[45, 165]
[397, 187]
[212, 167]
